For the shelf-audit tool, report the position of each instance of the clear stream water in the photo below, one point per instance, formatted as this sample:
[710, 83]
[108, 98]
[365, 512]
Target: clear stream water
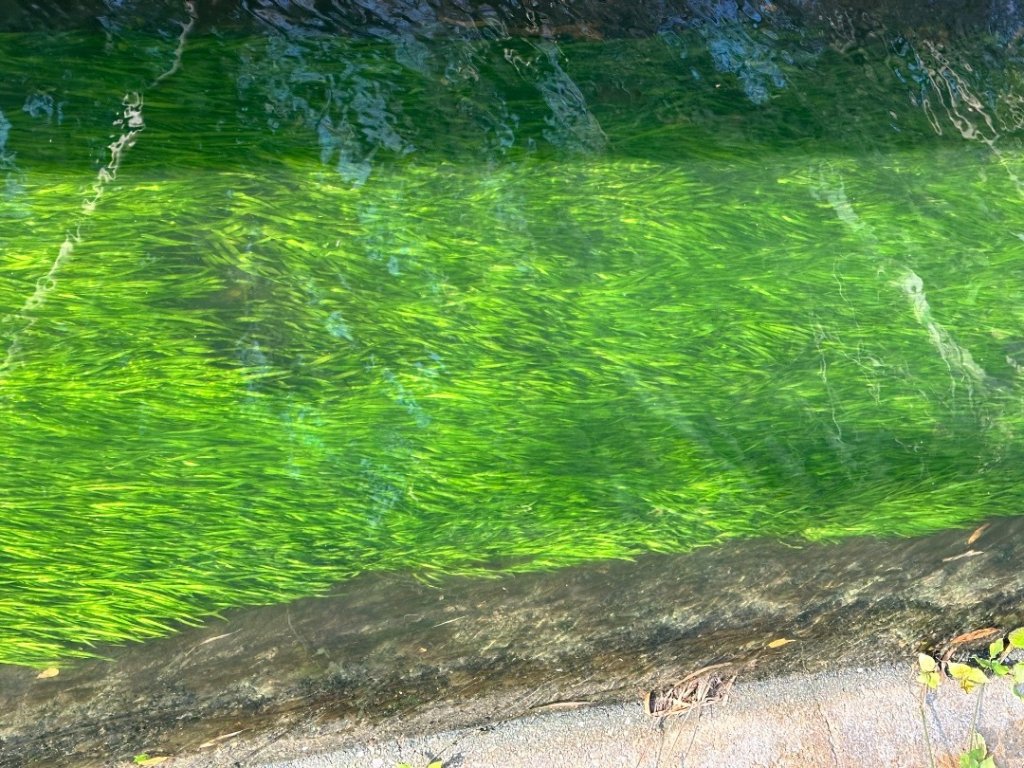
[295, 292]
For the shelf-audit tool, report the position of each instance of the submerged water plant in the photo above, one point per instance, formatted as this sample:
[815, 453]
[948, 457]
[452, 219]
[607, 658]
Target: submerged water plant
[331, 313]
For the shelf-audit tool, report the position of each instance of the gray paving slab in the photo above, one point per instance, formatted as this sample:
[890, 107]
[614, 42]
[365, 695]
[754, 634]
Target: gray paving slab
[853, 717]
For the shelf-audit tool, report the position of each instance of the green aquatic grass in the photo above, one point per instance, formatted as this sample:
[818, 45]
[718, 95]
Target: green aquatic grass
[266, 365]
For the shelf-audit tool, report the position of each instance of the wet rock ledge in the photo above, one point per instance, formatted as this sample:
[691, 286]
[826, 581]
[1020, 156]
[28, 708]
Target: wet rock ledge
[386, 654]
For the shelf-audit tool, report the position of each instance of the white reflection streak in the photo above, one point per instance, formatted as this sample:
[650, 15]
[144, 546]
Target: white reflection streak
[131, 118]
[132, 124]
[820, 336]
[958, 360]
[186, 28]
[952, 90]
[44, 285]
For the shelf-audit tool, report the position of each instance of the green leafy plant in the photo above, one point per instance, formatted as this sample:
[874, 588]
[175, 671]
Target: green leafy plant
[977, 756]
[997, 665]
[967, 677]
[432, 764]
[972, 677]
[929, 675]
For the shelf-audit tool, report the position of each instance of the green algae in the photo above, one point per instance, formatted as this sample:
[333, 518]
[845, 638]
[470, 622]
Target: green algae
[253, 362]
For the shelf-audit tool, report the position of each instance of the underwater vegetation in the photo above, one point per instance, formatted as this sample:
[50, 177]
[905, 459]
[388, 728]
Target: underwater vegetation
[300, 312]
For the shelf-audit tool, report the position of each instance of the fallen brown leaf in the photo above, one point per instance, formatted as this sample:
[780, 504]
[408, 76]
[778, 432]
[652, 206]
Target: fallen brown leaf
[780, 642]
[977, 533]
[48, 673]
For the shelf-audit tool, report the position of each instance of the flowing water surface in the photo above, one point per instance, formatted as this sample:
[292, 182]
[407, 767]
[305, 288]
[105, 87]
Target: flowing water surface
[285, 301]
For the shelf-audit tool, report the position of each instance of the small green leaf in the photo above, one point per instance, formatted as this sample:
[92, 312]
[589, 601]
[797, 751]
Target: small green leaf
[995, 648]
[1016, 638]
[977, 755]
[436, 764]
[929, 675]
[929, 679]
[1018, 673]
[967, 676]
[995, 667]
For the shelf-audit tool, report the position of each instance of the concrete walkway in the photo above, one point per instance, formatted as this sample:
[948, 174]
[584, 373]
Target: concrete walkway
[851, 718]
